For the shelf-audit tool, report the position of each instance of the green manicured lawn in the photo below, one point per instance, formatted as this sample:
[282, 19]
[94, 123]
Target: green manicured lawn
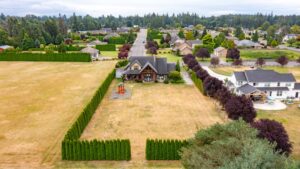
[267, 54]
[168, 54]
[113, 54]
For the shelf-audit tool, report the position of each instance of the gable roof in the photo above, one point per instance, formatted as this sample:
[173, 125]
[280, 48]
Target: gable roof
[194, 42]
[246, 89]
[260, 75]
[219, 49]
[159, 65]
[89, 50]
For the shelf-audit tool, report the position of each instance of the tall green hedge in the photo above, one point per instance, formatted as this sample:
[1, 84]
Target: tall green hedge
[108, 47]
[164, 149]
[198, 82]
[96, 150]
[77, 128]
[116, 40]
[75, 149]
[49, 57]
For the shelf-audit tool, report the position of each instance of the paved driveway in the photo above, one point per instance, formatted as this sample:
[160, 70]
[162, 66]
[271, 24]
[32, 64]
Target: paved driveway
[138, 47]
[216, 75]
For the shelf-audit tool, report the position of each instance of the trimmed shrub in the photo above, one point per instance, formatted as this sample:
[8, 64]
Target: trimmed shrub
[164, 149]
[108, 47]
[49, 57]
[198, 82]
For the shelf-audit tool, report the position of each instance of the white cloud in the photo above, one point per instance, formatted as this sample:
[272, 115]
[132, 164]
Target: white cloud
[132, 7]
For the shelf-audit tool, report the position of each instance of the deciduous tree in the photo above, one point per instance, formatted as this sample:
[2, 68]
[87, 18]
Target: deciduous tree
[240, 107]
[282, 60]
[274, 132]
[260, 62]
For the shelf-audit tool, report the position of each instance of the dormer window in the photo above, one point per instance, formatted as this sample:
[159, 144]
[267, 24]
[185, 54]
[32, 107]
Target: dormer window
[288, 85]
[278, 84]
[267, 84]
[135, 67]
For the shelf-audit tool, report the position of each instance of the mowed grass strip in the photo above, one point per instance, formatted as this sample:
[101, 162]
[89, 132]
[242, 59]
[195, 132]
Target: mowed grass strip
[39, 102]
[163, 111]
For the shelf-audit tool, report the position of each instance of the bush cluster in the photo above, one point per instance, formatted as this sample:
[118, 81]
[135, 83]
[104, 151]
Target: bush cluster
[164, 149]
[108, 47]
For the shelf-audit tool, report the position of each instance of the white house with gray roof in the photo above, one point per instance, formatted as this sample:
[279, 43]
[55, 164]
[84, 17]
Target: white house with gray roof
[273, 84]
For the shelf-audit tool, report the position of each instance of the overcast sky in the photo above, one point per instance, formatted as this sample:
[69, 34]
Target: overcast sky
[140, 7]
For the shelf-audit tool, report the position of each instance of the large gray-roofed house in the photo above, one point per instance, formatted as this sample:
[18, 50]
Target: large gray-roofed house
[268, 82]
[148, 68]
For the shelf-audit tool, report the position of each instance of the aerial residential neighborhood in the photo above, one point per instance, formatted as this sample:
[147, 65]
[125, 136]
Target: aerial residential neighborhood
[148, 85]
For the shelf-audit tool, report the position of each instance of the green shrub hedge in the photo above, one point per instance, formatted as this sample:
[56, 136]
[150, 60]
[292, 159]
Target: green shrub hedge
[49, 57]
[108, 47]
[164, 149]
[74, 149]
[116, 40]
[198, 82]
[96, 150]
[77, 128]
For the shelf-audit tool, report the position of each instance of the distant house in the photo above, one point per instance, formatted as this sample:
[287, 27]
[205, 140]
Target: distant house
[123, 30]
[68, 41]
[247, 44]
[148, 68]
[5, 47]
[110, 35]
[289, 37]
[260, 83]
[193, 43]
[220, 52]
[94, 53]
[95, 43]
[185, 47]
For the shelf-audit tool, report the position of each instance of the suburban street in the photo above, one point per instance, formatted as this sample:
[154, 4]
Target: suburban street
[138, 48]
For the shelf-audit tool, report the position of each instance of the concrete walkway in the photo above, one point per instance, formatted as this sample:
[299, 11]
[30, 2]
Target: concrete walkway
[277, 105]
[216, 75]
[186, 77]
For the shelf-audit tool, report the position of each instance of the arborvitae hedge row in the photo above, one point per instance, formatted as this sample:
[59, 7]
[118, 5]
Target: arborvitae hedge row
[198, 82]
[49, 57]
[164, 149]
[74, 149]
[108, 47]
[96, 150]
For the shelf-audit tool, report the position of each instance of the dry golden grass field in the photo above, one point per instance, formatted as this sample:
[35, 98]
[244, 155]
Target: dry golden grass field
[39, 101]
[153, 111]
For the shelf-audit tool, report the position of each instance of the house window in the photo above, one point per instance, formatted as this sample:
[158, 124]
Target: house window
[254, 84]
[135, 67]
[288, 85]
[279, 93]
[267, 84]
[278, 84]
[240, 82]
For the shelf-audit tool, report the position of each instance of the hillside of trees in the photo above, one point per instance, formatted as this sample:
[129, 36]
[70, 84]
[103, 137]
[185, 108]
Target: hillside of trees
[35, 30]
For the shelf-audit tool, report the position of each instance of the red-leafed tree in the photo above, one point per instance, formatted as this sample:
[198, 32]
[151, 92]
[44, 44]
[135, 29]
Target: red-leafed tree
[237, 62]
[123, 54]
[196, 68]
[152, 51]
[240, 107]
[212, 85]
[187, 58]
[191, 63]
[202, 53]
[233, 53]
[214, 61]
[275, 133]
[223, 95]
[202, 74]
[260, 62]
[282, 60]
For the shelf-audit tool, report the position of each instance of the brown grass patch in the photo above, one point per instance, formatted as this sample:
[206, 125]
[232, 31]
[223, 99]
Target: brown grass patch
[39, 101]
